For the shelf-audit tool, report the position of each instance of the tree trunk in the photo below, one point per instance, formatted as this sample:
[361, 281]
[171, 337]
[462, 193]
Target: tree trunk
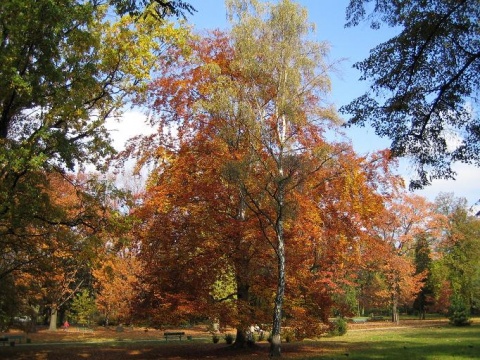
[243, 294]
[53, 319]
[241, 274]
[395, 317]
[275, 345]
[240, 338]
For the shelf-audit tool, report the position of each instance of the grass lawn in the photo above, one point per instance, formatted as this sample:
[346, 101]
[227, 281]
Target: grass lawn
[411, 340]
[435, 343]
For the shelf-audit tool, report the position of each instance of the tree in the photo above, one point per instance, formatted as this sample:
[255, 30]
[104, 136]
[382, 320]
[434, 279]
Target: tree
[65, 70]
[406, 219]
[190, 199]
[83, 307]
[332, 242]
[425, 82]
[461, 255]
[9, 301]
[240, 128]
[285, 86]
[423, 264]
[55, 257]
[115, 283]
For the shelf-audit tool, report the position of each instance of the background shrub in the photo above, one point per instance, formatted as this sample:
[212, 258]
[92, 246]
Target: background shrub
[339, 327]
[459, 314]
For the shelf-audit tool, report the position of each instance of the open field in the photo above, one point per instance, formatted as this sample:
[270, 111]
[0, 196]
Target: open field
[413, 339]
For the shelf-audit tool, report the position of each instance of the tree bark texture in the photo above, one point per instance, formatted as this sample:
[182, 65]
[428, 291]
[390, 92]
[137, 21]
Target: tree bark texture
[395, 317]
[275, 345]
[243, 291]
[53, 319]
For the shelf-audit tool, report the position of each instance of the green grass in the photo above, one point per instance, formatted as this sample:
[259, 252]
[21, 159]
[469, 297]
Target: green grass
[440, 343]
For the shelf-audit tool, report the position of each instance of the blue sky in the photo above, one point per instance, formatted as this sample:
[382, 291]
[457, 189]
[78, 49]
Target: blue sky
[348, 45]
[351, 45]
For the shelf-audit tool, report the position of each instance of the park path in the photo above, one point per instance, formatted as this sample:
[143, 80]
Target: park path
[406, 324]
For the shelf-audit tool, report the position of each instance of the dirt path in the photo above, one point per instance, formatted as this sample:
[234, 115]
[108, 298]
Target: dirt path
[387, 325]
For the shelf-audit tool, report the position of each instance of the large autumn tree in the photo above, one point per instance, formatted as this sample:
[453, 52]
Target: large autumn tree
[66, 67]
[243, 176]
[284, 81]
[406, 219]
[207, 237]
[116, 275]
[424, 82]
[48, 269]
[284, 110]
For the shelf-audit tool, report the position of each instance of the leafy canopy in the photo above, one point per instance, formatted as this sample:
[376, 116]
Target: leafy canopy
[424, 82]
[66, 67]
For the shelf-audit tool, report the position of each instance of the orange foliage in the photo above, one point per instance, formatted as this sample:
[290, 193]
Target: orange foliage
[208, 209]
[404, 220]
[116, 279]
[64, 243]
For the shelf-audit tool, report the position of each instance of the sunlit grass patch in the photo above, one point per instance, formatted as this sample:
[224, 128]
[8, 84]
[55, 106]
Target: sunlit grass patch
[438, 341]
[445, 342]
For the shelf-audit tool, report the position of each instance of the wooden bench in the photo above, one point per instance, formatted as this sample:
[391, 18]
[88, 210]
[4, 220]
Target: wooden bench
[359, 320]
[168, 334]
[83, 329]
[15, 337]
[11, 338]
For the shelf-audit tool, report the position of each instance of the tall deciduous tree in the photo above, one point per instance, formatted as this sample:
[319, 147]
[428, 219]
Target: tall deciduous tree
[84, 308]
[65, 69]
[116, 277]
[48, 264]
[406, 218]
[425, 82]
[423, 264]
[244, 179]
[189, 197]
[461, 255]
[284, 111]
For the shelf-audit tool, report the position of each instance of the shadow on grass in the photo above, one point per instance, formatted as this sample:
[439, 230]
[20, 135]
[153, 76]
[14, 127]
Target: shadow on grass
[421, 343]
[133, 351]
[410, 351]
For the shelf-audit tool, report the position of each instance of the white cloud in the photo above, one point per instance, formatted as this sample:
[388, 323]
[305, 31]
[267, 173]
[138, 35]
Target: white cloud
[131, 123]
[466, 184]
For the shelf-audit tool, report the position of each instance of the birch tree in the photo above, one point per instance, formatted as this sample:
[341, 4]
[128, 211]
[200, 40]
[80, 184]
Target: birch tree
[285, 83]
[244, 181]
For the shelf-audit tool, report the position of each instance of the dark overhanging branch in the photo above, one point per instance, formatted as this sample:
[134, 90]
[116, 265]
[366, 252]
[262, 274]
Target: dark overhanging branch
[71, 223]
[439, 98]
[19, 265]
[411, 69]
